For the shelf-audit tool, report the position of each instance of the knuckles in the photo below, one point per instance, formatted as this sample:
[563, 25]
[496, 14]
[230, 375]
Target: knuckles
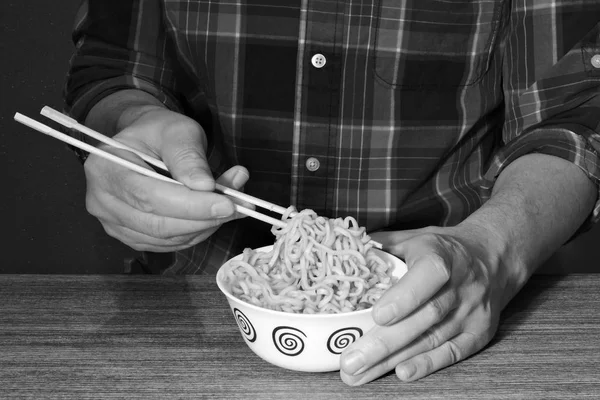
[454, 352]
[182, 124]
[432, 338]
[440, 255]
[378, 344]
[140, 198]
[436, 309]
[154, 227]
[441, 266]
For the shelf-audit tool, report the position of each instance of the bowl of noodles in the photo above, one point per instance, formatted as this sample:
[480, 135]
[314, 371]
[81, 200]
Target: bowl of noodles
[300, 302]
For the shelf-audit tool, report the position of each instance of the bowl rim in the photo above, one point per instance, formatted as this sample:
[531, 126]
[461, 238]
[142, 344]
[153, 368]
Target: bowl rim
[230, 296]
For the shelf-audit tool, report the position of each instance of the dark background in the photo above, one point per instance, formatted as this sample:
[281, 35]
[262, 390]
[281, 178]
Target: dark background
[45, 227]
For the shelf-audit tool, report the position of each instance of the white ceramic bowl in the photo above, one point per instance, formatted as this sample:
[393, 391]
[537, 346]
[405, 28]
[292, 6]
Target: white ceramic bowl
[301, 342]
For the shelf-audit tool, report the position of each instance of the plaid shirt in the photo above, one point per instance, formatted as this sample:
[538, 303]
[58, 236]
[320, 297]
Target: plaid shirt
[399, 113]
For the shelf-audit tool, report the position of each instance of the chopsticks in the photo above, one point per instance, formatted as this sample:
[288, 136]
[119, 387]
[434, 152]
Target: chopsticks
[71, 123]
[128, 164]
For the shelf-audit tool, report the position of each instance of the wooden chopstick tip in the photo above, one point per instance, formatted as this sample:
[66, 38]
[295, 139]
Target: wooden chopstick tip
[59, 117]
[25, 120]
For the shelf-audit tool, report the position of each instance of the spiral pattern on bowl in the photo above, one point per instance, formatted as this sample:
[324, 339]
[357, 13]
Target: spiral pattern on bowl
[288, 340]
[342, 338]
[245, 325]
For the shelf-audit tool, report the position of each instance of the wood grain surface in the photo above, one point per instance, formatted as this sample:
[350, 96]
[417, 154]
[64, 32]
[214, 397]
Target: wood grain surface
[151, 337]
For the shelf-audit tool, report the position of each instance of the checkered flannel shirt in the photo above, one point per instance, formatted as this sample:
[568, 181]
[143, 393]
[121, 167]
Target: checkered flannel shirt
[399, 113]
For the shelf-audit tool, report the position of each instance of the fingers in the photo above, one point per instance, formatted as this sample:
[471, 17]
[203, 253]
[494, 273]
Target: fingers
[148, 214]
[383, 341]
[439, 347]
[113, 211]
[428, 340]
[146, 231]
[448, 353]
[153, 196]
[429, 266]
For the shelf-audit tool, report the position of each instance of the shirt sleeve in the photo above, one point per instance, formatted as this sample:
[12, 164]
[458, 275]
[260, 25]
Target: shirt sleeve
[119, 44]
[551, 82]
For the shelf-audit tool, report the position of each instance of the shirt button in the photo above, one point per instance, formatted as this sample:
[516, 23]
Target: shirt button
[318, 60]
[596, 61]
[312, 164]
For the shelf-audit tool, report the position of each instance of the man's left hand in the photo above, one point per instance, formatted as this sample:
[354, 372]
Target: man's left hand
[444, 309]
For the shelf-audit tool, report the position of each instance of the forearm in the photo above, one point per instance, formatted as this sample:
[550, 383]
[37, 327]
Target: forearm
[537, 203]
[118, 110]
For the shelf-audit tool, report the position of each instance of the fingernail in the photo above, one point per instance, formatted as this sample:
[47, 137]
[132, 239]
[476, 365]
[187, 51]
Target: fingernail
[239, 179]
[407, 372]
[385, 314]
[222, 210]
[354, 362]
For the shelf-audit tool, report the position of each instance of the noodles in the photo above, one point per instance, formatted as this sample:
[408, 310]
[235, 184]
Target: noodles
[317, 265]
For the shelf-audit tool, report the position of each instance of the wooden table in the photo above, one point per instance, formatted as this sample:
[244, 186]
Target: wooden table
[113, 336]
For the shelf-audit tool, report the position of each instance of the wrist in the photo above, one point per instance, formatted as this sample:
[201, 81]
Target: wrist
[507, 269]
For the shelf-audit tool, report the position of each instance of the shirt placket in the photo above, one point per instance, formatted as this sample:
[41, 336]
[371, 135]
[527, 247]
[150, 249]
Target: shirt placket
[317, 106]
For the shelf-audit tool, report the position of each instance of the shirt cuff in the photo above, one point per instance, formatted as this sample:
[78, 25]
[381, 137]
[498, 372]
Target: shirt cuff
[89, 96]
[574, 143]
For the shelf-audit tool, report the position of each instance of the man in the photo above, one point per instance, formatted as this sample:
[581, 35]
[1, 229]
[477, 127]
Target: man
[463, 135]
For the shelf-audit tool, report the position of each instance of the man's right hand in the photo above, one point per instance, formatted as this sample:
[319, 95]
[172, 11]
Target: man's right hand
[148, 214]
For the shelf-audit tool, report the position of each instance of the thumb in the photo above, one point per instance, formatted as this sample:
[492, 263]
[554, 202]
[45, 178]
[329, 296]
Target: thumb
[183, 153]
